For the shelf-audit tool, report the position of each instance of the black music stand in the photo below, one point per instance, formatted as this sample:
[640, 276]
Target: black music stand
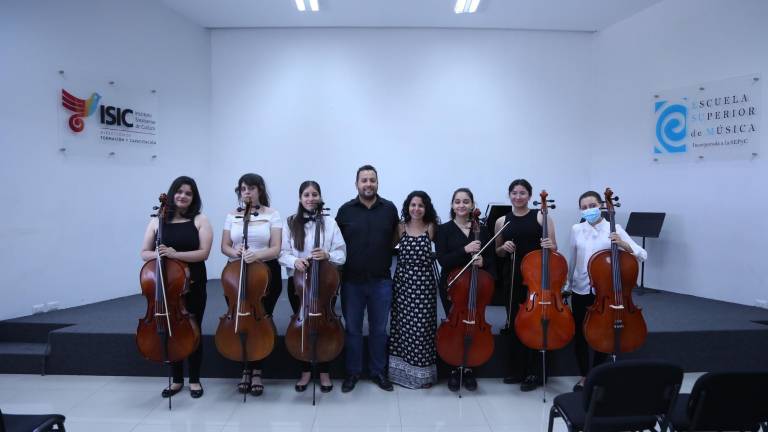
[644, 224]
[493, 212]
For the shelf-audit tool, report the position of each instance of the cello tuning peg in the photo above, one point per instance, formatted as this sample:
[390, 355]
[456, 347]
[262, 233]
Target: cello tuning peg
[617, 205]
[616, 198]
[155, 208]
[536, 203]
[153, 215]
[552, 206]
[550, 200]
[240, 209]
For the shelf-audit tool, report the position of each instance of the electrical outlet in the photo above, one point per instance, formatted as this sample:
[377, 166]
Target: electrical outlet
[38, 308]
[763, 303]
[51, 306]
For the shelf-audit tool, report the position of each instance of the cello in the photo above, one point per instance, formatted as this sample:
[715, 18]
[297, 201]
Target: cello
[464, 338]
[613, 324]
[543, 323]
[245, 332]
[167, 333]
[315, 333]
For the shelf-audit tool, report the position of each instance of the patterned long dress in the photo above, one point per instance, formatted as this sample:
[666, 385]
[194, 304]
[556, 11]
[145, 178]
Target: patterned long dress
[414, 315]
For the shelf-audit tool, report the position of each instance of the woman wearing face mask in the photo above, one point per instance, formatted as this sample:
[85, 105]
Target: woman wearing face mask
[414, 302]
[523, 234]
[264, 237]
[588, 237]
[298, 247]
[455, 247]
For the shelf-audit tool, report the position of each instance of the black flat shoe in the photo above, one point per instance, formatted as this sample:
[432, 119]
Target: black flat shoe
[196, 394]
[453, 381]
[470, 383]
[512, 379]
[300, 387]
[170, 391]
[326, 388]
[383, 382]
[349, 383]
[530, 383]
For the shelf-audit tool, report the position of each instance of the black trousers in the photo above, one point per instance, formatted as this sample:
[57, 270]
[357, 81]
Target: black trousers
[195, 301]
[579, 305]
[524, 361]
[270, 300]
[322, 367]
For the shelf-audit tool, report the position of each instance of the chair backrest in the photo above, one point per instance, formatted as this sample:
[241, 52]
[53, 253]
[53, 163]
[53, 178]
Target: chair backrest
[729, 401]
[632, 388]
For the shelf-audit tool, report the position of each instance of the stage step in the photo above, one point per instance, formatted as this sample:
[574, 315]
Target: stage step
[23, 357]
[25, 347]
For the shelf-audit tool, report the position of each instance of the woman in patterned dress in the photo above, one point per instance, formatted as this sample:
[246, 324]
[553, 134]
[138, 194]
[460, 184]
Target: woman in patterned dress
[414, 305]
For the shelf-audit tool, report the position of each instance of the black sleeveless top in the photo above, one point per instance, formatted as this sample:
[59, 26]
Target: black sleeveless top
[525, 232]
[184, 237]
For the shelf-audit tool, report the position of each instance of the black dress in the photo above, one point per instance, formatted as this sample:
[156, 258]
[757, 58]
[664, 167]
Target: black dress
[526, 232]
[184, 237]
[414, 314]
[450, 254]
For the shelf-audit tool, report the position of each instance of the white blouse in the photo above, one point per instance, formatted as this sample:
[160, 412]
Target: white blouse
[330, 240]
[585, 241]
[259, 229]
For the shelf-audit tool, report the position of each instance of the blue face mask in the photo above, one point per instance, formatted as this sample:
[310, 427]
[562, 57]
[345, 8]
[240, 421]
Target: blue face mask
[591, 215]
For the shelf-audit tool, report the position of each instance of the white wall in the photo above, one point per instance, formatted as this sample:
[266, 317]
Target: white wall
[431, 109]
[713, 241]
[71, 226]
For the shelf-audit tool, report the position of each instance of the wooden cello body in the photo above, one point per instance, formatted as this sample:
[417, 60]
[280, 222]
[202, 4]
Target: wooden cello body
[315, 333]
[464, 339]
[613, 324]
[543, 322]
[167, 332]
[245, 331]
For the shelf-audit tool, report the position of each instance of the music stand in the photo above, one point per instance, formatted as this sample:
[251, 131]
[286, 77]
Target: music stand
[645, 224]
[493, 212]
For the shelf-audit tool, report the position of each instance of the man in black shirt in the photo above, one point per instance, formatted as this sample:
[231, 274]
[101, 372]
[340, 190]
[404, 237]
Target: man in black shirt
[368, 223]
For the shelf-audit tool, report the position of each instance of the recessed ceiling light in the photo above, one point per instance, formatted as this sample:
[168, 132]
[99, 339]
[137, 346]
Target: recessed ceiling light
[302, 6]
[466, 6]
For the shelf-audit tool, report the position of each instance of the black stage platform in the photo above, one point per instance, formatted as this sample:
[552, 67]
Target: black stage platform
[98, 339]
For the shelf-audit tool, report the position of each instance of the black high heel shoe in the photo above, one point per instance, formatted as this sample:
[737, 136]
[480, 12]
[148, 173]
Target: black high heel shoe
[256, 389]
[244, 386]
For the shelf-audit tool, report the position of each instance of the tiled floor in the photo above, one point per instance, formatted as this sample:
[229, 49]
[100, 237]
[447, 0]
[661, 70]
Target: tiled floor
[133, 404]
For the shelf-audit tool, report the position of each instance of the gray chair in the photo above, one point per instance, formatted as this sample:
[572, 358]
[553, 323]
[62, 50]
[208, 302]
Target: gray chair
[624, 396]
[31, 422]
[732, 401]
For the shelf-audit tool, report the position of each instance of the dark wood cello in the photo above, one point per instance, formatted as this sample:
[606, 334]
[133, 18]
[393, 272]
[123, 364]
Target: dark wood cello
[613, 323]
[245, 333]
[167, 333]
[315, 333]
[464, 339]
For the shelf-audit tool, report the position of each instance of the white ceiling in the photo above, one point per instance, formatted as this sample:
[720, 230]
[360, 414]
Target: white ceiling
[571, 15]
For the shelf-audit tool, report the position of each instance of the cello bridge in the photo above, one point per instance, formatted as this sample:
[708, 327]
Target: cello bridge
[243, 314]
[315, 314]
[616, 306]
[468, 322]
[545, 303]
[161, 314]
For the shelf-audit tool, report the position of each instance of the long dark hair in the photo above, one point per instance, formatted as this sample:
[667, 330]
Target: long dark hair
[252, 179]
[521, 182]
[465, 190]
[430, 215]
[197, 203]
[297, 221]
